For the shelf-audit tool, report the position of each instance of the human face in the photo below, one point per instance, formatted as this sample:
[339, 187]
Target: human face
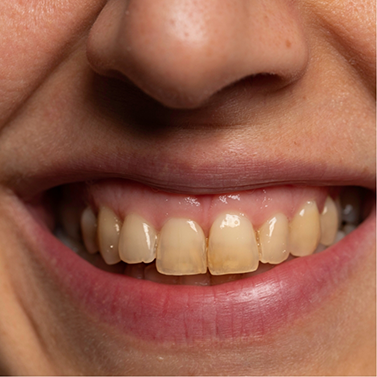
[212, 112]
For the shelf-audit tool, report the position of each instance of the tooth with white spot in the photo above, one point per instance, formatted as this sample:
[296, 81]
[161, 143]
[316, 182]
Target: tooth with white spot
[329, 222]
[181, 248]
[304, 230]
[232, 246]
[108, 235]
[351, 205]
[137, 240]
[89, 230]
[273, 240]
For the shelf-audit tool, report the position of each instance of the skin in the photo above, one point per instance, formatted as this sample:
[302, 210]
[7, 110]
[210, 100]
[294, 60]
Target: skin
[319, 96]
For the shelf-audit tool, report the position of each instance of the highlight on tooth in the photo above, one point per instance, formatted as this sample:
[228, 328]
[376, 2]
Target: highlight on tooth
[232, 245]
[181, 248]
[137, 240]
[305, 230]
[108, 235]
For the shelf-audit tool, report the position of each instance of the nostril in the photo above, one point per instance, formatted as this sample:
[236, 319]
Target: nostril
[181, 53]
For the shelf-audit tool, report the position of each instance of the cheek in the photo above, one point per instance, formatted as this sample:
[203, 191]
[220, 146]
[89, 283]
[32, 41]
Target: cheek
[34, 38]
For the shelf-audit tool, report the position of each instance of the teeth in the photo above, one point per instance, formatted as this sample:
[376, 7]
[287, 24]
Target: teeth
[305, 231]
[351, 206]
[329, 222]
[181, 248]
[273, 240]
[108, 235]
[137, 240]
[232, 246]
[89, 230]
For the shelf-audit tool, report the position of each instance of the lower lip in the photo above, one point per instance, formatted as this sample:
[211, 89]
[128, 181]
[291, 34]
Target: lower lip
[251, 307]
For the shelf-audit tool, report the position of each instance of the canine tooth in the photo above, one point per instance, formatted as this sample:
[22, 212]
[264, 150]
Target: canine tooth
[232, 246]
[304, 230]
[151, 274]
[137, 240]
[181, 248]
[108, 235]
[273, 240]
[89, 230]
[351, 205]
[200, 279]
[329, 222]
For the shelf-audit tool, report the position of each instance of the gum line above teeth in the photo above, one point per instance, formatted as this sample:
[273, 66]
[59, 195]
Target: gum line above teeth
[180, 248]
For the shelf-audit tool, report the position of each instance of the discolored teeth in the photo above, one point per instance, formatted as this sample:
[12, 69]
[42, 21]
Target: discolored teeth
[181, 248]
[329, 222]
[137, 240]
[273, 240]
[178, 252]
[304, 230]
[108, 235]
[89, 230]
[232, 246]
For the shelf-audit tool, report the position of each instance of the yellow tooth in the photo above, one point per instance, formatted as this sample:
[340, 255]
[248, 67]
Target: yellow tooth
[232, 246]
[304, 230]
[329, 222]
[137, 240]
[181, 248]
[108, 235]
[89, 230]
[273, 240]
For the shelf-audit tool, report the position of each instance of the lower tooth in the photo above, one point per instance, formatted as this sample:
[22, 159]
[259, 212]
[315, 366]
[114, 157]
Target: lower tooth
[304, 230]
[348, 228]
[232, 246]
[151, 274]
[351, 205]
[108, 235]
[222, 279]
[201, 279]
[135, 270]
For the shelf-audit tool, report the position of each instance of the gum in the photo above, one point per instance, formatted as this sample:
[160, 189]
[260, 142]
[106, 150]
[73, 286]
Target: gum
[125, 197]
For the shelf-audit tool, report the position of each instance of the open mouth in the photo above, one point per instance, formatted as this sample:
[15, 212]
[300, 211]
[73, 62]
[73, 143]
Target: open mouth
[128, 228]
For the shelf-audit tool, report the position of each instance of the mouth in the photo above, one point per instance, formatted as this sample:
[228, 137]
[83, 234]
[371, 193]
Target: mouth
[197, 267]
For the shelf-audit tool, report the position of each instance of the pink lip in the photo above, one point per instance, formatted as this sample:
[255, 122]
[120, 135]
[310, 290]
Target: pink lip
[250, 307]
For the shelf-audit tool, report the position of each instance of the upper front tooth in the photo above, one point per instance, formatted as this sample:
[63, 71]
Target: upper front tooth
[232, 246]
[329, 222]
[108, 235]
[137, 240]
[181, 248]
[273, 240]
[89, 230]
[304, 230]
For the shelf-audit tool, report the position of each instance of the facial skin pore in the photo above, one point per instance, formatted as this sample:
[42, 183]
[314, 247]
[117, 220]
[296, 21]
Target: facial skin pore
[256, 93]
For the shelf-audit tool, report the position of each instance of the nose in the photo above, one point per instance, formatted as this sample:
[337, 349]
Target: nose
[181, 52]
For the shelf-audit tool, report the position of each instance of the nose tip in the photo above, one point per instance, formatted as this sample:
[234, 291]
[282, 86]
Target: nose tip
[181, 52]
